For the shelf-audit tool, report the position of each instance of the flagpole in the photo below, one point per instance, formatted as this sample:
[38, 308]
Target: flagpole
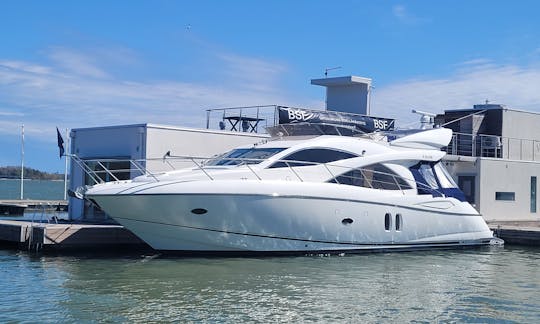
[22, 161]
[65, 170]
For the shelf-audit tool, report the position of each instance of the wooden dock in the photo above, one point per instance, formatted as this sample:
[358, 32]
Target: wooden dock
[33, 236]
[17, 207]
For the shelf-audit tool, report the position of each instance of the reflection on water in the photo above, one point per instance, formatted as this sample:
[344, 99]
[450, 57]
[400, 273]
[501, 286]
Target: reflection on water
[457, 286]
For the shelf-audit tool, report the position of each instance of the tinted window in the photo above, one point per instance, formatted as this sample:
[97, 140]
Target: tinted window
[510, 196]
[375, 176]
[427, 173]
[245, 156]
[444, 177]
[387, 221]
[313, 156]
[398, 222]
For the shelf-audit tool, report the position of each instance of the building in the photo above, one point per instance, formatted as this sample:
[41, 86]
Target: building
[495, 157]
[113, 147]
[347, 94]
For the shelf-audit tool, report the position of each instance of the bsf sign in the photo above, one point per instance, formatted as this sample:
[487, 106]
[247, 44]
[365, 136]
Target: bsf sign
[380, 124]
[366, 124]
[297, 114]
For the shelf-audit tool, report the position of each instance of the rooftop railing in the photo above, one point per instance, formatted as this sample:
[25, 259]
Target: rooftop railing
[248, 119]
[494, 146]
[255, 119]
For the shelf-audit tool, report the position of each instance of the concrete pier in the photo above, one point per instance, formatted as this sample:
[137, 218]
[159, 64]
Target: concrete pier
[517, 232]
[66, 236]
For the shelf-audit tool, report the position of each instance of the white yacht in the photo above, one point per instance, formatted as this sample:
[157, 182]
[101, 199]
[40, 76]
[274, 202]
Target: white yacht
[303, 194]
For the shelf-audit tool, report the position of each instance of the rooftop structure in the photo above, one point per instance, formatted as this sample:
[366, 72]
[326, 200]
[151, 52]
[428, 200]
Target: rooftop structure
[347, 94]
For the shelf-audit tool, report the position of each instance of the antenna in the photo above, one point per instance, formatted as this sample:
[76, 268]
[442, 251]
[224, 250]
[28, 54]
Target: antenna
[330, 69]
[426, 120]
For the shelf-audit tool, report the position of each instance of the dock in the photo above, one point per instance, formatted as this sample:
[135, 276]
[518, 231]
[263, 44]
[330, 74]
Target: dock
[17, 207]
[517, 232]
[32, 236]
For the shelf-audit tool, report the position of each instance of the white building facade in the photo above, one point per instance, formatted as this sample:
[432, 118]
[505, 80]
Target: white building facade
[495, 158]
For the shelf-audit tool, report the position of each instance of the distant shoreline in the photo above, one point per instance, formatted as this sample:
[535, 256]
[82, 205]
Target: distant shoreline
[30, 179]
[14, 173]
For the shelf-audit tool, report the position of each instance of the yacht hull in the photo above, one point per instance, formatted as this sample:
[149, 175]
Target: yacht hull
[266, 217]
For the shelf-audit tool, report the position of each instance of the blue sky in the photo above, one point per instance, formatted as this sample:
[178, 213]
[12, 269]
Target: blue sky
[75, 64]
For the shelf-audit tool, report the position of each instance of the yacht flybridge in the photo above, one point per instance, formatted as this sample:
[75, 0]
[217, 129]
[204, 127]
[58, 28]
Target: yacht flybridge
[300, 192]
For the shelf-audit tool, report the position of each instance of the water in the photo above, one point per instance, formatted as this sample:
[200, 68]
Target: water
[33, 189]
[497, 284]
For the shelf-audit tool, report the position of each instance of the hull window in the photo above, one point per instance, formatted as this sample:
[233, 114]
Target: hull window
[387, 221]
[398, 222]
[199, 211]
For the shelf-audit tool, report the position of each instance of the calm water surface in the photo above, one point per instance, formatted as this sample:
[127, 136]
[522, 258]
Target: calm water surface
[33, 189]
[483, 285]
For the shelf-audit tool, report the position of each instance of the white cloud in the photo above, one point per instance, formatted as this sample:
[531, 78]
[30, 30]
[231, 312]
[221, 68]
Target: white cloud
[73, 92]
[43, 96]
[404, 16]
[254, 73]
[76, 62]
[10, 113]
[514, 86]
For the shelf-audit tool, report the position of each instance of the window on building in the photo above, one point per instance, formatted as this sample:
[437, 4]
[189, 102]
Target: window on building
[120, 169]
[467, 185]
[505, 195]
[311, 156]
[533, 194]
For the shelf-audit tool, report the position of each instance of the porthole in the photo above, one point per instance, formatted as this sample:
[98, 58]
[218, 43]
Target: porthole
[346, 221]
[399, 222]
[199, 211]
[387, 221]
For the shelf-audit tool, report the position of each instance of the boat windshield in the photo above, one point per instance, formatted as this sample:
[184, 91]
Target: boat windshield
[444, 176]
[244, 156]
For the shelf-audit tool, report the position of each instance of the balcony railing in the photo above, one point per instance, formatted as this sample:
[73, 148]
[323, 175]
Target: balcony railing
[249, 119]
[494, 146]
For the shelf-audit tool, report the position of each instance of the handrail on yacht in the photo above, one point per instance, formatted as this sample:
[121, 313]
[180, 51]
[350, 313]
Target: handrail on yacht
[366, 175]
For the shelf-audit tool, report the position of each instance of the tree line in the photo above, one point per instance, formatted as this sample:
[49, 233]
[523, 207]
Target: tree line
[14, 172]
